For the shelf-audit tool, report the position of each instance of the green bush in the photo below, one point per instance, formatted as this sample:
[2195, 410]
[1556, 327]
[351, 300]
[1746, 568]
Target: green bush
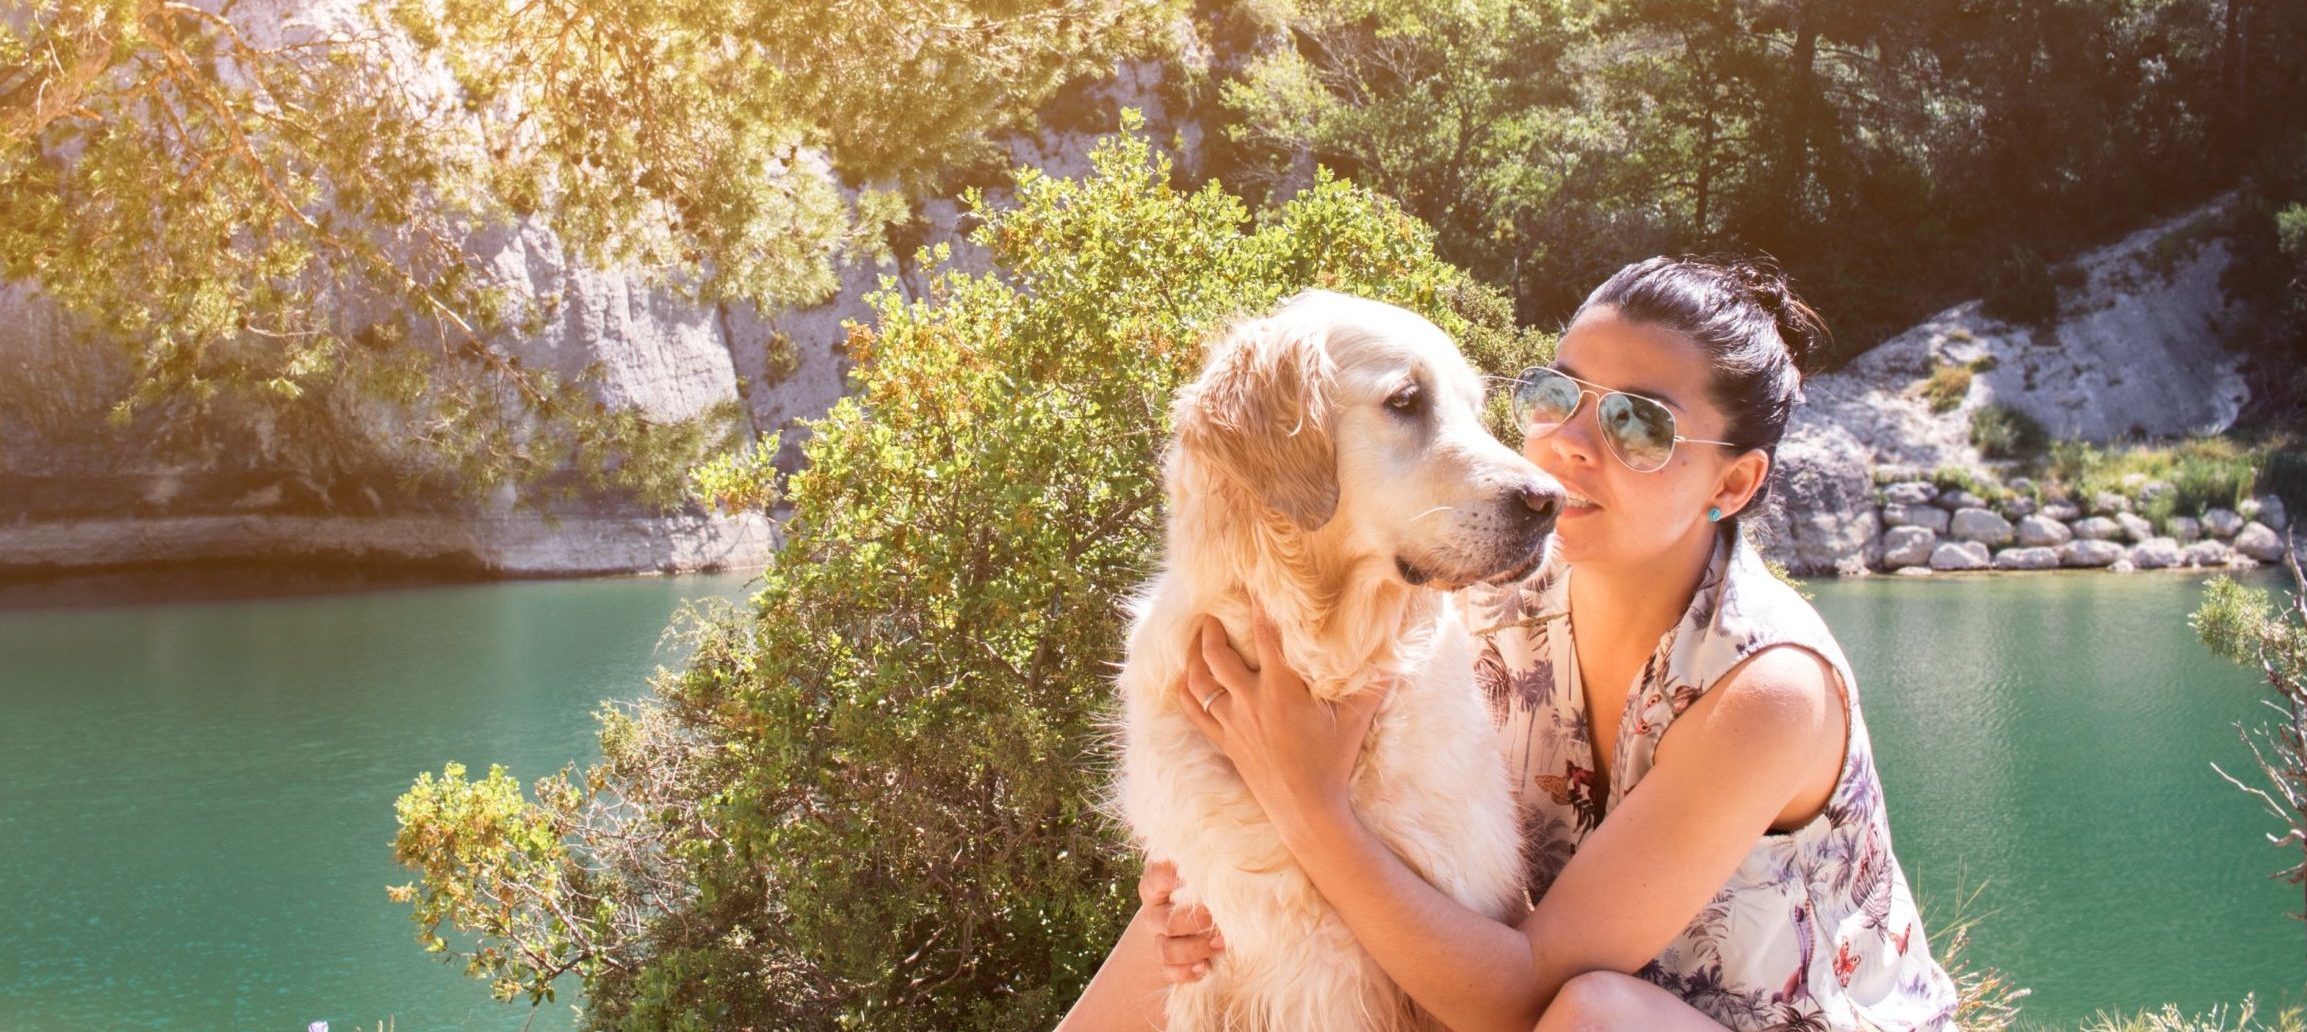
[868, 801]
[2020, 290]
[1947, 387]
[2003, 432]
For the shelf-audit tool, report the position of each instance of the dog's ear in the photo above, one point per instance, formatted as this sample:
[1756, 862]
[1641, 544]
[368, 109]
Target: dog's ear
[1259, 413]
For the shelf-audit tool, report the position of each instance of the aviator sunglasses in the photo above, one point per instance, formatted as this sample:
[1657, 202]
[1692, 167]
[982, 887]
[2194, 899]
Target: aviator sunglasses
[1640, 430]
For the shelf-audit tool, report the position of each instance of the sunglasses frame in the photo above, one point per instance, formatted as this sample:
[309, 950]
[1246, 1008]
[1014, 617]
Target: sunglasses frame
[1602, 394]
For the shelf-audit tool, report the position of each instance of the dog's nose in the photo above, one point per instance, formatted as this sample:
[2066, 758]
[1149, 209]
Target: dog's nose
[1541, 503]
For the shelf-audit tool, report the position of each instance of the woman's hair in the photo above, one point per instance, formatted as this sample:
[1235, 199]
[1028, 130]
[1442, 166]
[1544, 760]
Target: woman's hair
[1759, 338]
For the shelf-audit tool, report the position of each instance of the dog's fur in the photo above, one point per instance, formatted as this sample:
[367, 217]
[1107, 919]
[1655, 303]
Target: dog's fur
[1297, 478]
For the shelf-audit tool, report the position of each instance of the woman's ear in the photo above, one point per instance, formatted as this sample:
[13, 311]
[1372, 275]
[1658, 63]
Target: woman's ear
[1740, 480]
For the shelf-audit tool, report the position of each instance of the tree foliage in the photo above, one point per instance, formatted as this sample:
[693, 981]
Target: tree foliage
[1877, 149]
[276, 212]
[2245, 626]
[868, 799]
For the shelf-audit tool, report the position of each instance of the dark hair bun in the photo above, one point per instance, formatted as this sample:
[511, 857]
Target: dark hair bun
[1799, 325]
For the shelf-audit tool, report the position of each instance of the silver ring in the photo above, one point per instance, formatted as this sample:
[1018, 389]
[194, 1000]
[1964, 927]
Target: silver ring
[1211, 698]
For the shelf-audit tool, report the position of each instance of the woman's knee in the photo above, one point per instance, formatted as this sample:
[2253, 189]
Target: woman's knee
[1594, 1000]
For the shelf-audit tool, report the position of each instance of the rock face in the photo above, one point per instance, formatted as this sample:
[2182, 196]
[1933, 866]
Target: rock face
[1821, 512]
[651, 350]
[2136, 351]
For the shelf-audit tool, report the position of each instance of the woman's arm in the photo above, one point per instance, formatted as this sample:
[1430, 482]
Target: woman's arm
[1162, 946]
[1739, 756]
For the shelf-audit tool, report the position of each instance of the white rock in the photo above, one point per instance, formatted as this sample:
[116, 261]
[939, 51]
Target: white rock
[1896, 514]
[1821, 512]
[2108, 503]
[2026, 559]
[1907, 546]
[2186, 529]
[2136, 528]
[2260, 542]
[1982, 526]
[2122, 565]
[1960, 499]
[2089, 552]
[2205, 553]
[2155, 553]
[2020, 505]
[2064, 512]
[1911, 492]
[1915, 571]
[2271, 512]
[2097, 528]
[1960, 555]
[2222, 523]
[2042, 531]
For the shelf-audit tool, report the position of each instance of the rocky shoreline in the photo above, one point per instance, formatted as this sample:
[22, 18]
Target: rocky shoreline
[1929, 529]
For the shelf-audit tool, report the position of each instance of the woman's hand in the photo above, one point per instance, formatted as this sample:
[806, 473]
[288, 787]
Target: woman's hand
[1184, 937]
[1294, 751]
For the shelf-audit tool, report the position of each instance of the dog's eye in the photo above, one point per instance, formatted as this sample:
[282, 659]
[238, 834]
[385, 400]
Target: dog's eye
[1408, 401]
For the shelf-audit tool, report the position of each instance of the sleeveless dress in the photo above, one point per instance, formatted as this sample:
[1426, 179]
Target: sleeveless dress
[1816, 929]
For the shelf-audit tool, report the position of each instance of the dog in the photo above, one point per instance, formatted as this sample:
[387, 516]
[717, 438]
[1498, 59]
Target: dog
[1330, 462]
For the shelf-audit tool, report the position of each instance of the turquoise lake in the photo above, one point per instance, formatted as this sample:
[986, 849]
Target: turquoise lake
[197, 774]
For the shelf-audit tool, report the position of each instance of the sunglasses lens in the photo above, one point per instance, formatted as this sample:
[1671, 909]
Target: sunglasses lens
[1543, 399]
[1640, 430]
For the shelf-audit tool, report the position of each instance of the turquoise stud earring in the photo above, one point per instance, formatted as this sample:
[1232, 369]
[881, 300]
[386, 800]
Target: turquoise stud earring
[1714, 514]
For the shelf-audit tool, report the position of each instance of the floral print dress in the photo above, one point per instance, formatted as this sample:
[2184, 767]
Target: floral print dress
[1816, 929]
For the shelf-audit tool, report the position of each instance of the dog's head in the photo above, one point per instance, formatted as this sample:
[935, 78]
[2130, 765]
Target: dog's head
[1357, 423]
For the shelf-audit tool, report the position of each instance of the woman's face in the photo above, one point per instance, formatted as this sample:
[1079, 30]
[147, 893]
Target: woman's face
[1615, 514]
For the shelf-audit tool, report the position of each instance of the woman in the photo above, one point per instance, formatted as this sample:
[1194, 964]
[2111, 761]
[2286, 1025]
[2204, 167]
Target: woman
[1750, 882]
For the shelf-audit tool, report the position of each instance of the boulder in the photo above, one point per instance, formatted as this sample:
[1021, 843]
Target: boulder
[2186, 529]
[2122, 565]
[2098, 528]
[1910, 492]
[2043, 532]
[2026, 559]
[1960, 499]
[2208, 552]
[2089, 552]
[2064, 512]
[2020, 505]
[1907, 546]
[2108, 503]
[2271, 512]
[1982, 526]
[1915, 571]
[1898, 514]
[2222, 523]
[2259, 541]
[2155, 553]
[2135, 528]
[1960, 555]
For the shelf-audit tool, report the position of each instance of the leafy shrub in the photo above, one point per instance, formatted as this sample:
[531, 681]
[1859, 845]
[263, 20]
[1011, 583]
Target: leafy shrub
[740, 481]
[2003, 432]
[868, 801]
[1958, 478]
[2020, 290]
[1947, 387]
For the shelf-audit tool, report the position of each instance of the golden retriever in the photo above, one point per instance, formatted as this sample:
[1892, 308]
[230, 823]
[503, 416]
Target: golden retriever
[1330, 462]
